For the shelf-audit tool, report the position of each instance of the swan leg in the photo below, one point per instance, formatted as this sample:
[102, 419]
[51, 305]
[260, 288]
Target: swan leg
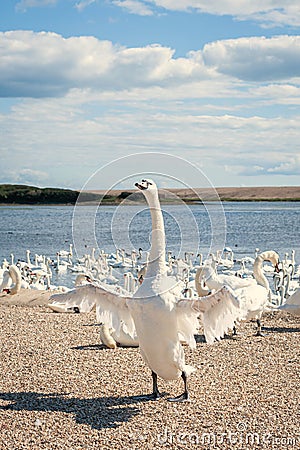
[185, 396]
[234, 331]
[155, 394]
[259, 332]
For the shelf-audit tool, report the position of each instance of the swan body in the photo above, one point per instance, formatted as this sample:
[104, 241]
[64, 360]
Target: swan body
[253, 294]
[12, 280]
[66, 253]
[292, 304]
[210, 279]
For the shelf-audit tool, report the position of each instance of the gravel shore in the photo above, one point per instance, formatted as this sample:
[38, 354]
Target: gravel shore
[61, 389]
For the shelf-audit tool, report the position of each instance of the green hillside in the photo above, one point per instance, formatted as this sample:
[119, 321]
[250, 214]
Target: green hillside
[21, 194]
[32, 195]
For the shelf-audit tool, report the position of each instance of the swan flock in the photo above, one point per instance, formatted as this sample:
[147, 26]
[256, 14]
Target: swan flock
[157, 317]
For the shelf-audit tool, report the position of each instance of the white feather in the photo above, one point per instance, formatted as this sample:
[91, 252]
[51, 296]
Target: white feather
[111, 308]
[292, 304]
[219, 312]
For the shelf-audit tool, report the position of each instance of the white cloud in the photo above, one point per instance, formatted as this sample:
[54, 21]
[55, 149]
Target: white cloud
[267, 12]
[26, 176]
[134, 7]
[283, 94]
[95, 101]
[46, 64]
[23, 5]
[290, 167]
[255, 58]
[82, 131]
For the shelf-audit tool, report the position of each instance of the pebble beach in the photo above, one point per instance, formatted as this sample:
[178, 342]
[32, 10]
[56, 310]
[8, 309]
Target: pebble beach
[62, 389]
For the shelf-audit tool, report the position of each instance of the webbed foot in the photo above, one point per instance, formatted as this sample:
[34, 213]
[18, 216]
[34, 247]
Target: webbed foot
[180, 398]
[148, 397]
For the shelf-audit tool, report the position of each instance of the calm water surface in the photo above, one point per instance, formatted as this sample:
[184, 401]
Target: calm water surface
[243, 226]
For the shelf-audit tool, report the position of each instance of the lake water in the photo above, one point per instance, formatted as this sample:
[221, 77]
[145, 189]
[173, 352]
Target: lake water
[242, 226]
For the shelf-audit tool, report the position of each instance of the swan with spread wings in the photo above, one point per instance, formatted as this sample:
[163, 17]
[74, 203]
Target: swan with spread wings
[156, 316]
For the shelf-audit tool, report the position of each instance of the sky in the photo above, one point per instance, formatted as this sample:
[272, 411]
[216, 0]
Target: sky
[213, 84]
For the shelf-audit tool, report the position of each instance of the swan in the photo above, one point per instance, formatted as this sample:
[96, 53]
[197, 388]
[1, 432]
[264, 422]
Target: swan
[289, 264]
[253, 294]
[66, 253]
[227, 261]
[207, 275]
[129, 282]
[110, 278]
[292, 304]
[123, 263]
[156, 317]
[82, 279]
[161, 320]
[61, 266]
[12, 280]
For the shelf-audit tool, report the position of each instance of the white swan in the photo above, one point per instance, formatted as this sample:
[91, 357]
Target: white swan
[156, 317]
[160, 319]
[61, 265]
[227, 261]
[292, 304]
[142, 271]
[253, 294]
[66, 253]
[12, 280]
[82, 279]
[208, 277]
[110, 278]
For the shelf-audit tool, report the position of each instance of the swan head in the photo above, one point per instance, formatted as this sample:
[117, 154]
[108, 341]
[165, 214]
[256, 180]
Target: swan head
[205, 272]
[146, 185]
[273, 258]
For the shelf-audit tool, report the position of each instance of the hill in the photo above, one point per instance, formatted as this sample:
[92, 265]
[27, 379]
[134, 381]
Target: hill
[23, 194]
[261, 193]
[31, 195]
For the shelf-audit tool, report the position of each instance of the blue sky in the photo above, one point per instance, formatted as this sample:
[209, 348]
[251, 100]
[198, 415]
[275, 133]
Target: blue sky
[85, 82]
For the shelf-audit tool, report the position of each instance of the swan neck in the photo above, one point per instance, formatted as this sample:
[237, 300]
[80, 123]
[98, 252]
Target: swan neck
[157, 257]
[16, 279]
[258, 272]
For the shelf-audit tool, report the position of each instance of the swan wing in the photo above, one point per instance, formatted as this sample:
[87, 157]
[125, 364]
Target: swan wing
[187, 321]
[219, 311]
[113, 311]
[84, 297]
[111, 308]
[238, 283]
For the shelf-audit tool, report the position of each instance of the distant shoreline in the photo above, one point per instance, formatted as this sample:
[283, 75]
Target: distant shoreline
[18, 195]
[226, 194]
